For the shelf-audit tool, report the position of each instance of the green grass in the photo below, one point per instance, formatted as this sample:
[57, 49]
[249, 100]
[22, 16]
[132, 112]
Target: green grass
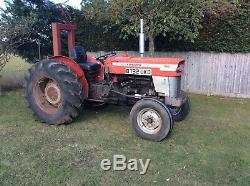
[15, 64]
[12, 75]
[211, 147]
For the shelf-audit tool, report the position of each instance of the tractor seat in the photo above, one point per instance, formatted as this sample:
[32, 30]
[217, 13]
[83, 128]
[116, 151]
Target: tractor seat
[79, 55]
[89, 66]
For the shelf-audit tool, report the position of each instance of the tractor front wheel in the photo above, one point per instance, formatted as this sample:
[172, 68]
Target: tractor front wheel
[151, 119]
[53, 92]
[180, 113]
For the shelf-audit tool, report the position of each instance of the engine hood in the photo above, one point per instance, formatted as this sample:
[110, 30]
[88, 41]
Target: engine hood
[147, 60]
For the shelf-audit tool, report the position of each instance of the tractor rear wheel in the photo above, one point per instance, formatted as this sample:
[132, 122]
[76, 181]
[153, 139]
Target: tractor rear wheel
[180, 113]
[151, 119]
[53, 92]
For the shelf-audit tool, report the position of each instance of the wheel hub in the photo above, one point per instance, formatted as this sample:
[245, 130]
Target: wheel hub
[53, 93]
[149, 121]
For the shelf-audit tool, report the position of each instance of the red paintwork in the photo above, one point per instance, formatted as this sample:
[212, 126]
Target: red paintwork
[124, 54]
[155, 71]
[113, 70]
[115, 79]
[75, 68]
[92, 59]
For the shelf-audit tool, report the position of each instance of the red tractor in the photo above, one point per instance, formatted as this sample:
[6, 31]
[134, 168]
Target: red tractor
[58, 88]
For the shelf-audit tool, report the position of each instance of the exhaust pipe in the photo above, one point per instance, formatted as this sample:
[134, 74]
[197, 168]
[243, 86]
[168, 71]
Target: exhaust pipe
[142, 40]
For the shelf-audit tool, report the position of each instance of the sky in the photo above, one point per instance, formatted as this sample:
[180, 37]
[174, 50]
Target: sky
[73, 3]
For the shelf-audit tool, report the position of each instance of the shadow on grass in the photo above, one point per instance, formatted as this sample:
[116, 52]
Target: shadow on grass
[102, 112]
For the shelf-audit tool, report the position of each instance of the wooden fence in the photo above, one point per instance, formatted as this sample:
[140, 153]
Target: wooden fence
[212, 73]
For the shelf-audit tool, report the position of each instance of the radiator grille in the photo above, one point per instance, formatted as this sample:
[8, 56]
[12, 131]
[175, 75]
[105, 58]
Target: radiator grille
[174, 86]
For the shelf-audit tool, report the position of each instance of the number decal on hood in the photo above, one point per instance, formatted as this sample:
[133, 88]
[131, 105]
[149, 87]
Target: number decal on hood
[136, 71]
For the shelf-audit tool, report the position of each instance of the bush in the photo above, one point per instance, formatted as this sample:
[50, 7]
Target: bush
[225, 29]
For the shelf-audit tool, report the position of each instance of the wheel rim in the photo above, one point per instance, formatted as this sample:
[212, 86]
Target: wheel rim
[53, 93]
[48, 95]
[149, 121]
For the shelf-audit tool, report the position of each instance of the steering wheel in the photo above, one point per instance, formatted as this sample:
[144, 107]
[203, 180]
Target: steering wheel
[104, 57]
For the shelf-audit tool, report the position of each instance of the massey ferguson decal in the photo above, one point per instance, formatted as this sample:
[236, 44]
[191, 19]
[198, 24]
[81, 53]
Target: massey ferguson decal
[119, 64]
[162, 67]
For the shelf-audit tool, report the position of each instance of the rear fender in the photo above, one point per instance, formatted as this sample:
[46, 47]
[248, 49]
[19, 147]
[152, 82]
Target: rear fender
[75, 68]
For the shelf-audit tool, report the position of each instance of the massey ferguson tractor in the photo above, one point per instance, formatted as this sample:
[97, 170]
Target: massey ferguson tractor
[58, 89]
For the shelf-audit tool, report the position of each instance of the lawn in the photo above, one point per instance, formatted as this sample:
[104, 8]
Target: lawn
[15, 64]
[211, 147]
[12, 75]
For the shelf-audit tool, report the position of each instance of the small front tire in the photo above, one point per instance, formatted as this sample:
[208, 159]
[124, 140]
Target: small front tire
[180, 113]
[151, 120]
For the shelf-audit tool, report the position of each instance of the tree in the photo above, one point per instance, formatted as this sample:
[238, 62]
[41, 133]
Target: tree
[13, 34]
[95, 30]
[43, 13]
[179, 20]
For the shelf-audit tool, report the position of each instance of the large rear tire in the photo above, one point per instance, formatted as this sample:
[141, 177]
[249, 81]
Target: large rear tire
[151, 119]
[53, 92]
